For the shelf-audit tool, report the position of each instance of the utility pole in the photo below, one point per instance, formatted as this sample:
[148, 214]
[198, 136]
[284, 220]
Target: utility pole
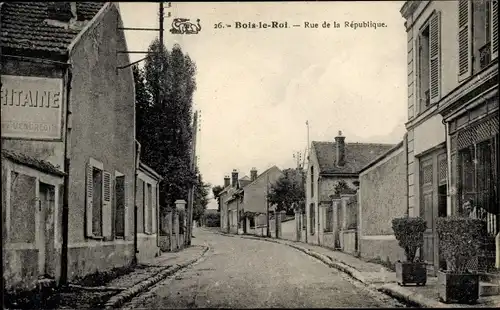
[304, 179]
[298, 157]
[160, 29]
[267, 207]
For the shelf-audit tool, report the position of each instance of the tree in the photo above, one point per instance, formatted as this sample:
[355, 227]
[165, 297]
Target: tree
[216, 191]
[201, 200]
[288, 190]
[343, 188]
[164, 100]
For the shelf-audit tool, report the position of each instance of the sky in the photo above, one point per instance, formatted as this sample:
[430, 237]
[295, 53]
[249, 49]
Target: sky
[256, 88]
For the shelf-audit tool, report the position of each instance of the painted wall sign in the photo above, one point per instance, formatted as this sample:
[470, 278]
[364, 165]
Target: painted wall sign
[32, 107]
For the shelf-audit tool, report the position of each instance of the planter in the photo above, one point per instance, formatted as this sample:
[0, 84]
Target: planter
[411, 273]
[460, 288]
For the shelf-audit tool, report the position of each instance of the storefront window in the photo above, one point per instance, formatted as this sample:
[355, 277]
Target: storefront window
[467, 174]
[477, 184]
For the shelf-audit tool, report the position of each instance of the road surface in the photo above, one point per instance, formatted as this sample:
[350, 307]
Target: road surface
[243, 273]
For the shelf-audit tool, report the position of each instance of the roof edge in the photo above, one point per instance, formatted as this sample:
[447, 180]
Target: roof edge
[381, 157]
[150, 170]
[87, 27]
[339, 174]
[262, 174]
[52, 170]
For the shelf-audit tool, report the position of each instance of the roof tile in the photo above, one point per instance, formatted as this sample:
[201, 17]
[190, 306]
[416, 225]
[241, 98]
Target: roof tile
[24, 27]
[29, 161]
[357, 156]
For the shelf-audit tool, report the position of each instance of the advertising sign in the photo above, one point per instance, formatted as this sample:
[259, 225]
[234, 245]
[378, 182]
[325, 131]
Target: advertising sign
[32, 107]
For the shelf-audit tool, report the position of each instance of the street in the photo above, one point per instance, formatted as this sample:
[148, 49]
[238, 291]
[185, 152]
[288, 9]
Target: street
[242, 273]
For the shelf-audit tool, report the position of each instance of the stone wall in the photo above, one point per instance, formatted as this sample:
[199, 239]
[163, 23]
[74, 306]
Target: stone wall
[382, 197]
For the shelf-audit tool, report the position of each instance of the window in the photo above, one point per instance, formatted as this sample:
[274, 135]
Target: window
[312, 217]
[478, 35]
[312, 181]
[148, 209]
[23, 204]
[119, 205]
[478, 173]
[423, 60]
[428, 63]
[481, 33]
[329, 219]
[98, 201]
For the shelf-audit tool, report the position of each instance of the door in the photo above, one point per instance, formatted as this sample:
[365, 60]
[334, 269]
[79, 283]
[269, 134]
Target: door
[46, 254]
[427, 209]
[442, 202]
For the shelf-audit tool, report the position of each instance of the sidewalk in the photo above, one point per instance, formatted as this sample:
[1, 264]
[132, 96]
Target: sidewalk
[123, 288]
[378, 277]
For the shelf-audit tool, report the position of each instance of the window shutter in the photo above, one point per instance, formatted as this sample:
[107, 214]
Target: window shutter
[435, 55]
[464, 39]
[154, 210]
[494, 29]
[416, 103]
[89, 190]
[106, 204]
[126, 211]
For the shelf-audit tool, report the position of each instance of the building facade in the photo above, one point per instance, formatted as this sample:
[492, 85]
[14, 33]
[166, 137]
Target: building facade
[246, 194]
[65, 101]
[328, 164]
[448, 80]
[148, 208]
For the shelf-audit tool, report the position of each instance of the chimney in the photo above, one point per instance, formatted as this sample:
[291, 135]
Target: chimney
[234, 177]
[61, 11]
[227, 181]
[253, 174]
[340, 149]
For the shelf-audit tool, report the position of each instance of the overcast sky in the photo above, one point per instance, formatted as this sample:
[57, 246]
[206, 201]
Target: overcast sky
[257, 87]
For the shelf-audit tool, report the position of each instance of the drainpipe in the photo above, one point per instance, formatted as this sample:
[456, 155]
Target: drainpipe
[137, 161]
[65, 202]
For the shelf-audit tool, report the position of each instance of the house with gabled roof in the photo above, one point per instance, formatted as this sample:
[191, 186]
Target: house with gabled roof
[68, 100]
[329, 163]
[245, 195]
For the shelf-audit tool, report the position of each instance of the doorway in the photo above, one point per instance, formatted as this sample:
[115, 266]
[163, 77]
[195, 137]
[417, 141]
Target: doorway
[433, 204]
[46, 246]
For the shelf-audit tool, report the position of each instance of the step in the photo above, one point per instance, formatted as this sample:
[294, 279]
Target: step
[492, 277]
[489, 289]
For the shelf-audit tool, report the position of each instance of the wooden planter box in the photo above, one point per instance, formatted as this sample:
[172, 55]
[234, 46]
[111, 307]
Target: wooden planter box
[414, 273]
[458, 288]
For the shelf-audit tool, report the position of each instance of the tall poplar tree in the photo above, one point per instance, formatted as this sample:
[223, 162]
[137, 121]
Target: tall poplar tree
[164, 99]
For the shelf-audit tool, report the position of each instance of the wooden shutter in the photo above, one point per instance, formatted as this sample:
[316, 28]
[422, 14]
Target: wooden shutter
[126, 213]
[106, 204]
[154, 209]
[494, 29]
[464, 39]
[89, 191]
[435, 57]
[120, 216]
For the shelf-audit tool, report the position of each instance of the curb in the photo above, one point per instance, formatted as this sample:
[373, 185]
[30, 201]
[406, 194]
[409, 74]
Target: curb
[388, 289]
[119, 299]
[418, 300]
[323, 258]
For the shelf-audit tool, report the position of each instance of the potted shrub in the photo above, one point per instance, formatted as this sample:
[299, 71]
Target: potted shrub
[409, 232]
[459, 242]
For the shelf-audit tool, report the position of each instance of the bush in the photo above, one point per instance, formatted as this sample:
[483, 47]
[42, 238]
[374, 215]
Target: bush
[459, 240]
[409, 232]
[212, 219]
